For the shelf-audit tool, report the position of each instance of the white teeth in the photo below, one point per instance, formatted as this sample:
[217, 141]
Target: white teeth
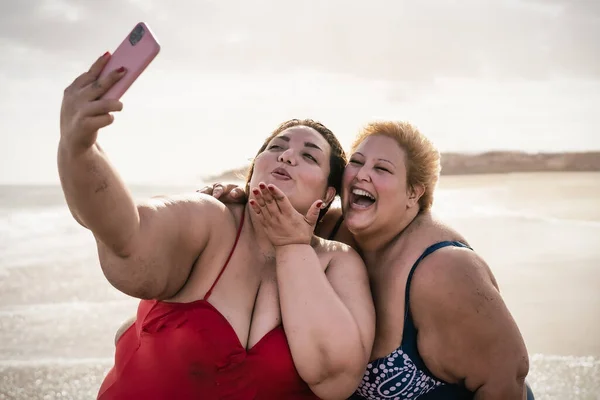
[361, 192]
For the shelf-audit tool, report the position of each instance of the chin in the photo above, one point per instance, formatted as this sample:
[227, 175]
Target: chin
[357, 223]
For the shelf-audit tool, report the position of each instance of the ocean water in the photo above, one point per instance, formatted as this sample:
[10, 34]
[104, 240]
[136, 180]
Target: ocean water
[539, 233]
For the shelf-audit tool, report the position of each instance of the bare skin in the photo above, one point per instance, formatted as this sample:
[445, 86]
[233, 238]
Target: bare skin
[485, 351]
[466, 334]
[173, 248]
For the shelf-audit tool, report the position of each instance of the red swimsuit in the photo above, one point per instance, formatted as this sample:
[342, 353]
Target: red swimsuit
[190, 351]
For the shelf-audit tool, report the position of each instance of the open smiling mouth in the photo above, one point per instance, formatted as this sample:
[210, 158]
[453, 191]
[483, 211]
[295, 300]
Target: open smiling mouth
[361, 199]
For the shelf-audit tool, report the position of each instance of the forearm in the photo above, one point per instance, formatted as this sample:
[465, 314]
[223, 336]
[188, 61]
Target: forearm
[512, 389]
[322, 333]
[97, 197]
[509, 395]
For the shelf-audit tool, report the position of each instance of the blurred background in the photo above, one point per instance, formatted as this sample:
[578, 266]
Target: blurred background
[509, 91]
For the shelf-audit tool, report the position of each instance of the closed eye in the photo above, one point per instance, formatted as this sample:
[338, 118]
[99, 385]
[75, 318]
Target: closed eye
[383, 169]
[274, 147]
[310, 157]
[355, 162]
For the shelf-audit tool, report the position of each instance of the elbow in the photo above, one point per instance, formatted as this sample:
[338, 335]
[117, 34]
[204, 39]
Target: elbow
[337, 380]
[338, 357]
[339, 367]
[119, 247]
[337, 386]
[506, 386]
[128, 240]
[521, 375]
[523, 367]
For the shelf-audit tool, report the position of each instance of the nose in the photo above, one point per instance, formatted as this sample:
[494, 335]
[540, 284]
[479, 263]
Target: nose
[362, 174]
[287, 157]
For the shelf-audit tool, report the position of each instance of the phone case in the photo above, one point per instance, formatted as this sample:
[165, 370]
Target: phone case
[135, 53]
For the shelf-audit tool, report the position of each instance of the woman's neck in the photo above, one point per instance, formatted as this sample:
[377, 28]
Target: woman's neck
[259, 236]
[374, 245]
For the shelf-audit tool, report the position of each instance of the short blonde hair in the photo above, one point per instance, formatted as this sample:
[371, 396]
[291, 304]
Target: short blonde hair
[422, 158]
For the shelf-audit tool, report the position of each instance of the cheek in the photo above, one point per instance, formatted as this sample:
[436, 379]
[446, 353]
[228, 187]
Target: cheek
[260, 162]
[314, 176]
[260, 165]
[389, 190]
[349, 174]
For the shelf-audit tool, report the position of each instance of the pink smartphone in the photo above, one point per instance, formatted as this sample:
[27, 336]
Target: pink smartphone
[136, 52]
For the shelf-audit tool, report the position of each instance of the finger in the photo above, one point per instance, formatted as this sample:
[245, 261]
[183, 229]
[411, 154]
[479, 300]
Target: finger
[100, 121]
[100, 86]
[312, 216]
[255, 207]
[258, 197]
[229, 187]
[217, 190]
[90, 76]
[101, 107]
[239, 195]
[281, 199]
[271, 204]
[264, 209]
[236, 195]
[205, 190]
[266, 193]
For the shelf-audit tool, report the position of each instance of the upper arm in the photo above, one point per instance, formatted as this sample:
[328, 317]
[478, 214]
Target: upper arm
[173, 232]
[466, 326]
[348, 277]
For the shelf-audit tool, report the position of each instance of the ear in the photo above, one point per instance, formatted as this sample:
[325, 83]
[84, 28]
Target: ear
[414, 194]
[329, 195]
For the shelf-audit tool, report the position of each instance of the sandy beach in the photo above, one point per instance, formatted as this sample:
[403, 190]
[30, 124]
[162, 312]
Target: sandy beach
[540, 233]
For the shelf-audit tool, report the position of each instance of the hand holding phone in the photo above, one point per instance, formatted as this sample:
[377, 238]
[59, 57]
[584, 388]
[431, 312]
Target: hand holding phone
[135, 53]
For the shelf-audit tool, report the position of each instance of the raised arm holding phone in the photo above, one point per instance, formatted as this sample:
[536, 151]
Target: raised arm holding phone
[237, 301]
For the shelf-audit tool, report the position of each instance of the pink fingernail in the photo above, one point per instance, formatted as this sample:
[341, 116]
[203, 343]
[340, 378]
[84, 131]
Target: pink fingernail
[121, 69]
[255, 191]
[261, 185]
[106, 54]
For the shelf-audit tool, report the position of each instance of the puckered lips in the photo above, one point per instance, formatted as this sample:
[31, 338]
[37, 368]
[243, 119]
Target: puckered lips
[281, 174]
[361, 199]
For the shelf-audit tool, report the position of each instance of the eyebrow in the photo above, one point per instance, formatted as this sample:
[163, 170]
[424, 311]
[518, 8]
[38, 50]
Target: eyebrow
[306, 144]
[387, 161]
[379, 159]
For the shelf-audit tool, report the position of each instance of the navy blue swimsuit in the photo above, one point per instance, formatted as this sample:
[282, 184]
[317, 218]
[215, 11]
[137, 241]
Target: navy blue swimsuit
[403, 374]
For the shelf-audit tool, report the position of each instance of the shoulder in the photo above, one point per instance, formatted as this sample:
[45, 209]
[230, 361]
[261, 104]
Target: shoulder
[452, 273]
[338, 256]
[191, 200]
[428, 228]
[333, 248]
[190, 205]
[467, 332]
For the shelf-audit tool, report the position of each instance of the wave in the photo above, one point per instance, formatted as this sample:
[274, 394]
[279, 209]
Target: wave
[42, 236]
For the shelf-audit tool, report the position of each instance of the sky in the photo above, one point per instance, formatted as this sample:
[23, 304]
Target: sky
[473, 75]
